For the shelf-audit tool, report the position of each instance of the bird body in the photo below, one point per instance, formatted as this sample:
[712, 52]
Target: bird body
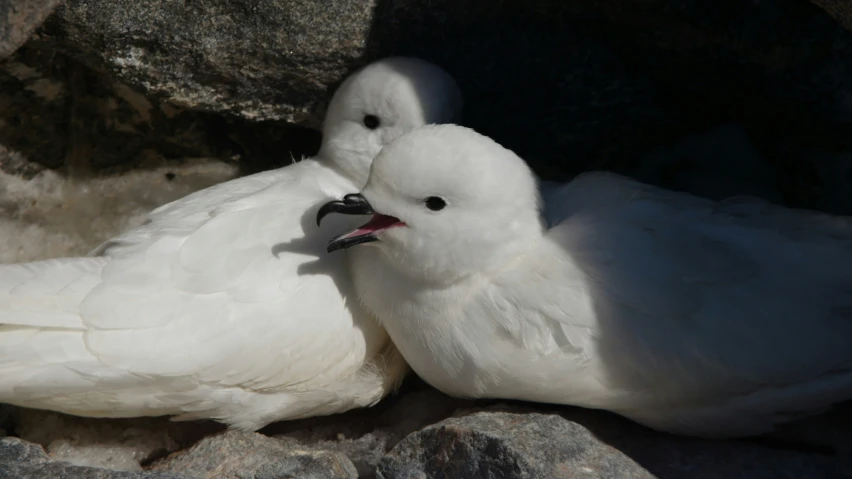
[222, 305]
[687, 315]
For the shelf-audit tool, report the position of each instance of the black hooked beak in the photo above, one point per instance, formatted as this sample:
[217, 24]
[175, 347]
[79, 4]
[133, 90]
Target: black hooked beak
[355, 204]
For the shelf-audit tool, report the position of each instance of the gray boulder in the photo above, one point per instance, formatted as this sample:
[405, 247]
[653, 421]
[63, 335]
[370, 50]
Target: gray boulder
[504, 445]
[570, 86]
[236, 455]
[57, 113]
[229, 455]
[571, 443]
[261, 60]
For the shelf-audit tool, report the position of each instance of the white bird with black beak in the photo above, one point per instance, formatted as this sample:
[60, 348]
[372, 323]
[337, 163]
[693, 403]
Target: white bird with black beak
[224, 304]
[686, 315]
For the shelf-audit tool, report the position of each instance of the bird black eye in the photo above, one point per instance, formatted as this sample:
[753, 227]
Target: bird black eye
[435, 203]
[372, 121]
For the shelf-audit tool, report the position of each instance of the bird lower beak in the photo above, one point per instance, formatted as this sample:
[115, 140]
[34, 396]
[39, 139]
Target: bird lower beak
[355, 204]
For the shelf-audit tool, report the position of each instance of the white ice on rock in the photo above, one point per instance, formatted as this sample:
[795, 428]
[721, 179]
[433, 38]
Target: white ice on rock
[684, 314]
[223, 305]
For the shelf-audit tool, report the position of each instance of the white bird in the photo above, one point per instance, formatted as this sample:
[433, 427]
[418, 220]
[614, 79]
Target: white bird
[686, 315]
[224, 304]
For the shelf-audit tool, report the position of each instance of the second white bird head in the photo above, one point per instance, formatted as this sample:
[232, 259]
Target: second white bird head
[446, 202]
[380, 102]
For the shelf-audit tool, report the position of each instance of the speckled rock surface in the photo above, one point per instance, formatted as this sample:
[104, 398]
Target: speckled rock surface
[260, 59]
[56, 113]
[522, 441]
[504, 445]
[423, 433]
[18, 20]
[236, 455]
[23, 460]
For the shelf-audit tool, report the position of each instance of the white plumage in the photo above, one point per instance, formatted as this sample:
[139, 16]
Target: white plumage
[223, 304]
[684, 314]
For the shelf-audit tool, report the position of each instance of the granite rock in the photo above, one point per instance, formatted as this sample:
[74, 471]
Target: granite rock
[423, 433]
[18, 20]
[504, 445]
[23, 460]
[526, 441]
[365, 435]
[260, 59]
[235, 455]
[56, 113]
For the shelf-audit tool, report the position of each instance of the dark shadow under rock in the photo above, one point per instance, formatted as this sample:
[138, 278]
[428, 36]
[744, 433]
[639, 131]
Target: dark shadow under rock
[841, 10]
[539, 77]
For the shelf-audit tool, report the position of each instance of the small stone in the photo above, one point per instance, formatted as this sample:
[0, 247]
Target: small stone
[237, 455]
[13, 449]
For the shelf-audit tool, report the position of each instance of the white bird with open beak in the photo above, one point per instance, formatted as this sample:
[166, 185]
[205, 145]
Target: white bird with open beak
[686, 315]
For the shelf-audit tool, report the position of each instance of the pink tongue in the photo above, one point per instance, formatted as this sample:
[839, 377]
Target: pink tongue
[377, 223]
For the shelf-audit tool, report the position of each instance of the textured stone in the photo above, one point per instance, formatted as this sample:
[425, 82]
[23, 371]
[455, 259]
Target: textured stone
[365, 435]
[504, 445]
[56, 113]
[235, 455]
[600, 439]
[23, 460]
[261, 59]
[525, 441]
[667, 456]
[18, 19]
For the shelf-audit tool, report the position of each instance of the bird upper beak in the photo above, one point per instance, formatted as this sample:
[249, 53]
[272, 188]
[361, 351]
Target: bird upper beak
[355, 204]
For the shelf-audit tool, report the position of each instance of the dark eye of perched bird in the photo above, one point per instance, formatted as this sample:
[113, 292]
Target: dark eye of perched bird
[435, 203]
[371, 121]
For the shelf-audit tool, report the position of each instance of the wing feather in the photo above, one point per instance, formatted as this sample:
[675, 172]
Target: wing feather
[227, 287]
[232, 300]
[709, 300]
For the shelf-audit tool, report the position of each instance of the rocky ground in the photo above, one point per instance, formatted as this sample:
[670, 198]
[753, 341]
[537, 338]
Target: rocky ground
[417, 433]
[109, 108]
